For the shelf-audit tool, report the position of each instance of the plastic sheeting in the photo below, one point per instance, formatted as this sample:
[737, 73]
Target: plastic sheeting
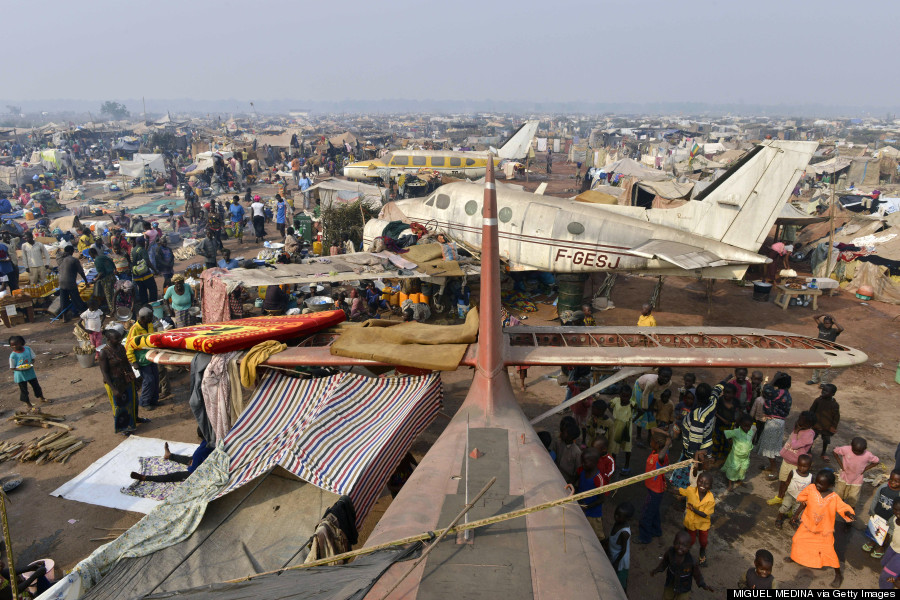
[345, 582]
[135, 166]
[886, 289]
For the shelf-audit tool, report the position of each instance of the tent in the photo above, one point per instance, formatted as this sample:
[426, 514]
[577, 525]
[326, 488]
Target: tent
[631, 168]
[298, 445]
[790, 215]
[204, 160]
[135, 166]
[340, 191]
[19, 174]
[127, 144]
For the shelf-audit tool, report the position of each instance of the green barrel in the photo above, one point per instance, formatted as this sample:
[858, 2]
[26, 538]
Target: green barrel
[571, 291]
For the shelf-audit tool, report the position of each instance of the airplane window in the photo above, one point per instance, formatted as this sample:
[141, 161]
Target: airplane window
[470, 162]
[400, 161]
[430, 201]
[575, 228]
[419, 161]
[443, 201]
[455, 162]
[437, 161]
[505, 214]
[471, 207]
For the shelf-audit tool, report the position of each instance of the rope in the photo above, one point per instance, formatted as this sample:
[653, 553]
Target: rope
[476, 524]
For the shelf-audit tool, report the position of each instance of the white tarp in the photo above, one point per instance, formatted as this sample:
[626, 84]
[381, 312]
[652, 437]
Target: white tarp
[135, 166]
[100, 483]
[204, 160]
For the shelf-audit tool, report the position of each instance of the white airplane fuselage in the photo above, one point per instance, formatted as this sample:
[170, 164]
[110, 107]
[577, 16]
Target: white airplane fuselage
[563, 236]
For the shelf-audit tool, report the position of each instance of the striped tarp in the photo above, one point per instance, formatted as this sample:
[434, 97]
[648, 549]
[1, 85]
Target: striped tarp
[345, 433]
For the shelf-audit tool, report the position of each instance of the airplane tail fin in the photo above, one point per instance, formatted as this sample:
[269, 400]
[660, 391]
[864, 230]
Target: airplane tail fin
[517, 145]
[741, 206]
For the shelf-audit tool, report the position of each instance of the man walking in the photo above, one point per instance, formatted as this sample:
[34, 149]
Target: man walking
[70, 268]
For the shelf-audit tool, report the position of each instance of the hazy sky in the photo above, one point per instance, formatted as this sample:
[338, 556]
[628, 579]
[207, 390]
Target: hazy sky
[762, 52]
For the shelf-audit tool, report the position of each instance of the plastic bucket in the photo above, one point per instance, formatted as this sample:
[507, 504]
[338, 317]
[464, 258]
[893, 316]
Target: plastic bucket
[395, 299]
[85, 361]
[761, 291]
[159, 310]
[403, 298]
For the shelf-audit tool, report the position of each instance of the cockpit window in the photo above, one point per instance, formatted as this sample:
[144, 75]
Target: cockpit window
[400, 161]
[430, 201]
[443, 201]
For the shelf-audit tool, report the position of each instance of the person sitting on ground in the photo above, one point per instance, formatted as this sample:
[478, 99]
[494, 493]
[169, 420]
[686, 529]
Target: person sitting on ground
[124, 296]
[276, 300]
[291, 243]
[193, 462]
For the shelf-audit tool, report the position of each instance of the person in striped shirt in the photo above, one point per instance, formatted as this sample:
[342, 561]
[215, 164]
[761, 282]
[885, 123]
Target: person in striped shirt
[697, 430]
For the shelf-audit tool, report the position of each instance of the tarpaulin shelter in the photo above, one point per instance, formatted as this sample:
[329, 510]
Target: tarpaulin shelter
[127, 144]
[338, 191]
[135, 166]
[631, 168]
[341, 436]
[19, 174]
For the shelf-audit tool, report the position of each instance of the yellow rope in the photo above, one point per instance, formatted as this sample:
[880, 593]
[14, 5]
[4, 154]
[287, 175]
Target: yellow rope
[475, 524]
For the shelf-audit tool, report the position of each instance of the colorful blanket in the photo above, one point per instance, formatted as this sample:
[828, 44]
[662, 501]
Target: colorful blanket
[240, 334]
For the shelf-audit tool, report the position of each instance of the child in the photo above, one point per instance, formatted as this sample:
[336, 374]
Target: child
[690, 386]
[680, 568]
[853, 460]
[890, 564]
[827, 413]
[799, 442]
[651, 522]
[813, 543]
[620, 542]
[759, 576]
[621, 434]
[741, 444]
[684, 406]
[757, 411]
[881, 512]
[606, 464]
[22, 356]
[646, 319]
[588, 315]
[726, 416]
[665, 410]
[566, 452]
[796, 482]
[92, 321]
[588, 478]
[700, 506]
[598, 424]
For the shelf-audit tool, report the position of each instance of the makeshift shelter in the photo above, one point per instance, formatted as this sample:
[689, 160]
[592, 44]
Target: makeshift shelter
[67, 223]
[865, 172]
[19, 174]
[135, 166]
[631, 168]
[204, 160]
[342, 435]
[330, 191]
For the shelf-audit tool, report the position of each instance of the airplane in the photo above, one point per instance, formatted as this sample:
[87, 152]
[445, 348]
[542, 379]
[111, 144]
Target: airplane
[462, 165]
[716, 235]
[551, 553]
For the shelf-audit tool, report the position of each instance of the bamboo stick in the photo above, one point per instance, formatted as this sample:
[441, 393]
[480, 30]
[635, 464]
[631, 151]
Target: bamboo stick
[7, 538]
[476, 524]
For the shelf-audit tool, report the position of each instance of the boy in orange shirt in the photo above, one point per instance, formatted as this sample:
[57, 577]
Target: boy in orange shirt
[650, 525]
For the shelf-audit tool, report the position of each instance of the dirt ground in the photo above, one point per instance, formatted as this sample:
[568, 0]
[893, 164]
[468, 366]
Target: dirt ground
[45, 526]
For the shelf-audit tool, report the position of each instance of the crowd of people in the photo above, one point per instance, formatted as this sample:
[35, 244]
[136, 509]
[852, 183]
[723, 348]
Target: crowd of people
[719, 427]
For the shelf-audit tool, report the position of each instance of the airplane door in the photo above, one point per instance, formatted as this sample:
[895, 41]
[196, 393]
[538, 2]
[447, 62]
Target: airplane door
[536, 243]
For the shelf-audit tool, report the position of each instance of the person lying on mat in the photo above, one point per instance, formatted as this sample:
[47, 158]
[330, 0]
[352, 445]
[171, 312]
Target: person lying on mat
[192, 462]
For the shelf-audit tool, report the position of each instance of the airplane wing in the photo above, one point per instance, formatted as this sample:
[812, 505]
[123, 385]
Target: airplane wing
[681, 255]
[684, 347]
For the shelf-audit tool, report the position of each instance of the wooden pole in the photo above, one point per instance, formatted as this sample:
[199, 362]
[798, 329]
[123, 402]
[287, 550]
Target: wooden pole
[831, 217]
[13, 578]
[476, 524]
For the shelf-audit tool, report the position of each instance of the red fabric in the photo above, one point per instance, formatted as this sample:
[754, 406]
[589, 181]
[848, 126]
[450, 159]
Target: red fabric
[606, 467]
[658, 483]
[240, 334]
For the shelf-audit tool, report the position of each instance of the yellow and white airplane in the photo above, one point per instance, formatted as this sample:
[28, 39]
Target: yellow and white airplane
[463, 165]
